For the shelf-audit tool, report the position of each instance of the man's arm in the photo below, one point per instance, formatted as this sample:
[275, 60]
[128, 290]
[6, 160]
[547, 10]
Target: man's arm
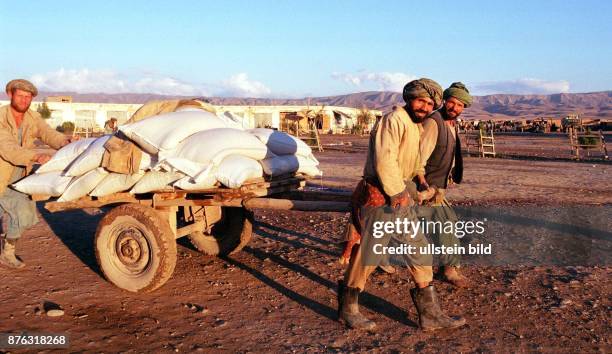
[429, 137]
[49, 135]
[386, 163]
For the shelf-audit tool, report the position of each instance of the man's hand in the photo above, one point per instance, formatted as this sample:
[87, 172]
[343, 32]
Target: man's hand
[427, 195]
[423, 182]
[401, 200]
[41, 158]
[70, 140]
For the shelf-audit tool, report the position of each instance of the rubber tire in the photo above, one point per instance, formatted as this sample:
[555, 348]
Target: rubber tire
[228, 236]
[160, 240]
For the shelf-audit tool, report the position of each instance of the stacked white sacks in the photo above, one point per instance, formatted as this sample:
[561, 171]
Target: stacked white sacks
[189, 149]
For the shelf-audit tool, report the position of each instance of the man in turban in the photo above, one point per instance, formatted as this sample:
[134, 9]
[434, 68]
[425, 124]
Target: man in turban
[441, 162]
[392, 162]
[19, 128]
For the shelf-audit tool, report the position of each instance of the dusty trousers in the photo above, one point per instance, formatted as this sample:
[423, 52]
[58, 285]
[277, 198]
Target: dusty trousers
[18, 213]
[440, 211]
[378, 248]
[357, 274]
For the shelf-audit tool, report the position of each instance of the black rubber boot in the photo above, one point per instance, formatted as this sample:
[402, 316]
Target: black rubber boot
[348, 309]
[7, 254]
[431, 316]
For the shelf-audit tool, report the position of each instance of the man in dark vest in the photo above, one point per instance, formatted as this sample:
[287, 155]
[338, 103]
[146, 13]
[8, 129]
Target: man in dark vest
[441, 162]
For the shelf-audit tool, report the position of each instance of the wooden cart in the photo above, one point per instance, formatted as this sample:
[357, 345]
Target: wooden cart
[135, 242]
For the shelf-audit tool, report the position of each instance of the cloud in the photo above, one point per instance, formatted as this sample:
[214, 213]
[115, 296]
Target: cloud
[522, 87]
[382, 81]
[109, 81]
[83, 80]
[166, 86]
[239, 85]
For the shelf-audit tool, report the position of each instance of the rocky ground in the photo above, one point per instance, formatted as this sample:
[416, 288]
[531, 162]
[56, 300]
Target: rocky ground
[278, 294]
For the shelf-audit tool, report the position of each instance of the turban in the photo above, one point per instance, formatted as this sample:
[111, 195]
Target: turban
[21, 84]
[423, 88]
[460, 92]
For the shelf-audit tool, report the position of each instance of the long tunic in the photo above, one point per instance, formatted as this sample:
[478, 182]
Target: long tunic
[393, 152]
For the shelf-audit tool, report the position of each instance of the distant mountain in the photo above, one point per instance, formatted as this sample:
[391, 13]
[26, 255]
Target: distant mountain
[501, 106]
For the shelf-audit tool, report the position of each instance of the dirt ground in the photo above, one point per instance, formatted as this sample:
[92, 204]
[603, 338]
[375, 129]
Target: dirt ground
[278, 294]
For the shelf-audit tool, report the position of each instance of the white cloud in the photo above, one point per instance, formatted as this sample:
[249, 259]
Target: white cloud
[239, 85]
[522, 87]
[348, 78]
[109, 81]
[83, 80]
[166, 86]
[383, 81]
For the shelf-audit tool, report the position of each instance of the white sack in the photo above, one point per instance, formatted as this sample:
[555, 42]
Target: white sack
[147, 162]
[50, 183]
[155, 180]
[310, 170]
[81, 186]
[234, 170]
[164, 132]
[89, 159]
[281, 143]
[232, 120]
[280, 165]
[187, 183]
[64, 156]
[116, 182]
[179, 165]
[208, 148]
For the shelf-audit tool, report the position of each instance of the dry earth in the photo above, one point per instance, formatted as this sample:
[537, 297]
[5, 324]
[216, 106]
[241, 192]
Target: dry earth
[279, 293]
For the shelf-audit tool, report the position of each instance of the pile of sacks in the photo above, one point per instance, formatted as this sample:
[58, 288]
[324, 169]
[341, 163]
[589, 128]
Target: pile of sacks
[190, 149]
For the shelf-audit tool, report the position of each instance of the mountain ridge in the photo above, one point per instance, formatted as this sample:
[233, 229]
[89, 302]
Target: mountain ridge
[497, 106]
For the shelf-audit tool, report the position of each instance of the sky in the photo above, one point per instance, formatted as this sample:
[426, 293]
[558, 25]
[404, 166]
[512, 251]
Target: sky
[296, 49]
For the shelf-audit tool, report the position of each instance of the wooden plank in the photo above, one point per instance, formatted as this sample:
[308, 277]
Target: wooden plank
[186, 230]
[115, 196]
[40, 197]
[341, 196]
[207, 197]
[287, 204]
[232, 202]
[89, 203]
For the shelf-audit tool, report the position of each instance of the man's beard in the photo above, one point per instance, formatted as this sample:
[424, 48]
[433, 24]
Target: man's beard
[413, 114]
[447, 116]
[20, 109]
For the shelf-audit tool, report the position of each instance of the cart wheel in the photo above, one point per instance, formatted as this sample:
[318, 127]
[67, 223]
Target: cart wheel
[135, 248]
[228, 236]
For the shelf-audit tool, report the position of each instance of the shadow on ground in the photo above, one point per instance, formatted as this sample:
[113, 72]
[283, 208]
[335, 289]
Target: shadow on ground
[76, 229]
